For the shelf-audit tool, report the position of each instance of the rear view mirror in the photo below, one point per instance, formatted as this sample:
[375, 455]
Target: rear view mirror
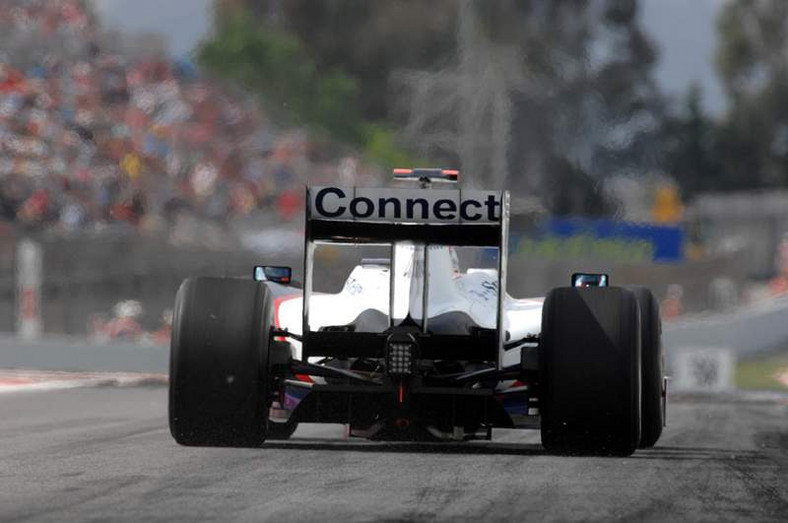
[272, 273]
[583, 279]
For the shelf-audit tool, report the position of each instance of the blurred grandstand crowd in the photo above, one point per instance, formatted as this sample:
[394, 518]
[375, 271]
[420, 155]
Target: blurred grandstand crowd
[93, 136]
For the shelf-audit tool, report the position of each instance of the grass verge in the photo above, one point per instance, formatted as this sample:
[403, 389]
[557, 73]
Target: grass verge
[763, 372]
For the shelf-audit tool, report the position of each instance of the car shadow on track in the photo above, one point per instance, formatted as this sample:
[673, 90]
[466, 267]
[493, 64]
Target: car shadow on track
[511, 449]
[697, 453]
[408, 447]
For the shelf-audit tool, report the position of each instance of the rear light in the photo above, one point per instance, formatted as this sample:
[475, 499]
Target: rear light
[428, 173]
[400, 355]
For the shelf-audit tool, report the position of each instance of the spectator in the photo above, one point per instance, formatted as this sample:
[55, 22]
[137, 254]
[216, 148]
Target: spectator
[91, 137]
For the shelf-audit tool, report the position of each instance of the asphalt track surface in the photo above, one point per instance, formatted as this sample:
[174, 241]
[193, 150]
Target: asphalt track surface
[106, 454]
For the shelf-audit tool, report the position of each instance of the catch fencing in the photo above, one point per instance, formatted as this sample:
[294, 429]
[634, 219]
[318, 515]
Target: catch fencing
[84, 276]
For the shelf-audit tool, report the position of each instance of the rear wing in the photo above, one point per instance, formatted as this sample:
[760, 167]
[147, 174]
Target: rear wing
[433, 216]
[454, 217]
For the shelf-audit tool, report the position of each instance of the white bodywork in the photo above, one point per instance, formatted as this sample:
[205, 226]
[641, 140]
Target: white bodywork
[474, 292]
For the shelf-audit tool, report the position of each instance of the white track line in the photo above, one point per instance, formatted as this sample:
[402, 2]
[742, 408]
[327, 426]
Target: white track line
[29, 380]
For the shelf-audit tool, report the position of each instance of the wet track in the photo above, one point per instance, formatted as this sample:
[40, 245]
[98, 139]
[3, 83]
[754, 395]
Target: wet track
[106, 453]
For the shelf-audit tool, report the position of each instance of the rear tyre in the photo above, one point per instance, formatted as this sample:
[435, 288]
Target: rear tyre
[281, 431]
[590, 371]
[219, 375]
[652, 415]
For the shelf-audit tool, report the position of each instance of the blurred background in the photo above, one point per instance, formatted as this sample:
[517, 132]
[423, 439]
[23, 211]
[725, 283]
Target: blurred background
[143, 141]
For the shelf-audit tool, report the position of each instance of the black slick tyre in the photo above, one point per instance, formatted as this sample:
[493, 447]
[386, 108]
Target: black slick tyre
[219, 363]
[652, 415]
[281, 431]
[590, 371]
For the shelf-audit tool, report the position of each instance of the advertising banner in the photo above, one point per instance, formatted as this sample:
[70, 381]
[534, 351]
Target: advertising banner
[578, 238]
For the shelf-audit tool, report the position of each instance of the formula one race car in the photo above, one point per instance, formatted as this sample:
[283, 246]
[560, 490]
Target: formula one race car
[423, 343]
